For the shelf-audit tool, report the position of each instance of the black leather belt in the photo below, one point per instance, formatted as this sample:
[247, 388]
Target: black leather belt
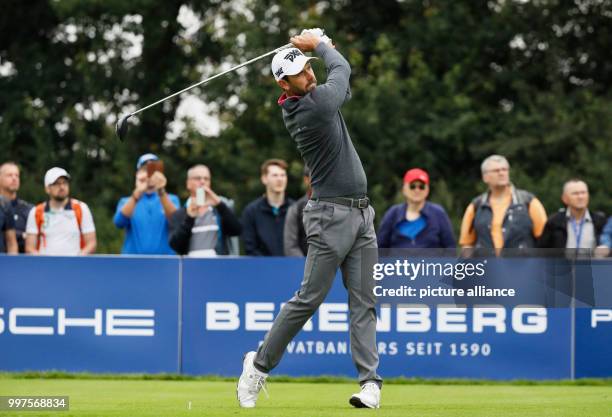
[361, 203]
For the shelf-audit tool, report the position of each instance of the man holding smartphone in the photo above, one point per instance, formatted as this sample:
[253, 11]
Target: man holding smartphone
[146, 212]
[203, 227]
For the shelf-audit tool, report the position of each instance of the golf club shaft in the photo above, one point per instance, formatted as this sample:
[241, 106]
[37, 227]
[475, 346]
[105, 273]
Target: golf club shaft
[213, 77]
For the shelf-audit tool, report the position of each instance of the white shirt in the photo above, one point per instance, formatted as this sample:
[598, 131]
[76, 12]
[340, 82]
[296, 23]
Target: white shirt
[61, 230]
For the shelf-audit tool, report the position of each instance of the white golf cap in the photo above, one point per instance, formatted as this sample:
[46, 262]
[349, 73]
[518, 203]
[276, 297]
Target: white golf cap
[53, 174]
[289, 61]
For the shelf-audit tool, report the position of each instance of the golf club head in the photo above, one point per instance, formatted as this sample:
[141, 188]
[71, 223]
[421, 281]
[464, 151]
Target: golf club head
[122, 127]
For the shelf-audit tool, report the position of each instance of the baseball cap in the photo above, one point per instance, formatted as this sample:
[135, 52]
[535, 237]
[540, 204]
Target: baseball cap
[289, 61]
[146, 158]
[53, 174]
[416, 174]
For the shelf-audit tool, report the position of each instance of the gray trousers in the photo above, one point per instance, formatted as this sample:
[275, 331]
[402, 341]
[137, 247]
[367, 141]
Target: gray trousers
[336, 236]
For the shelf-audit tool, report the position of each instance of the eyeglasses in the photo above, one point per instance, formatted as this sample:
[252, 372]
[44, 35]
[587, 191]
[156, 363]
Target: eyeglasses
[199, 178]
[421, 186]
[498, 170]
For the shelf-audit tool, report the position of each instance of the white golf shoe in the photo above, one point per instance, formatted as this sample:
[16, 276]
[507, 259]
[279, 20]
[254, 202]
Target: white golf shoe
[368, 397]
[250, 383]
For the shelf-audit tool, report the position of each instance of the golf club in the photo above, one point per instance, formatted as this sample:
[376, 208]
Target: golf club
[122, 125]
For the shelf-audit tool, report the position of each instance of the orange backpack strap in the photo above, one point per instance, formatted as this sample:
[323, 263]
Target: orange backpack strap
[39, 217]
[78, 213]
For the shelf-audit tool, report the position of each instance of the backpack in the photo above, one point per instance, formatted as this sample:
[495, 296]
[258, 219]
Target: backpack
[39, 217]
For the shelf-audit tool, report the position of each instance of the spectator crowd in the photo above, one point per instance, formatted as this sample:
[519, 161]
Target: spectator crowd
[206, 225]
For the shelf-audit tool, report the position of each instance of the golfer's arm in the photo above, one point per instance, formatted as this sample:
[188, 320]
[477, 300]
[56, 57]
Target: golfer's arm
[331, 95]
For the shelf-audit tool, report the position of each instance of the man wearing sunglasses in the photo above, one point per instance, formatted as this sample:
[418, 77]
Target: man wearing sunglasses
[417, 223]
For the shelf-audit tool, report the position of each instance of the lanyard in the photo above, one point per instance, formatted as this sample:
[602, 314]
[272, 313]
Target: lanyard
[577, 230]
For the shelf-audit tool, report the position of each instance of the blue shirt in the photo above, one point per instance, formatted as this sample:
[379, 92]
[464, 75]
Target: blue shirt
[411, 229]
[146, 232]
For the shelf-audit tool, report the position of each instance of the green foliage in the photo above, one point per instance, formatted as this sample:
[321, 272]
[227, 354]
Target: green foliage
[439, 85]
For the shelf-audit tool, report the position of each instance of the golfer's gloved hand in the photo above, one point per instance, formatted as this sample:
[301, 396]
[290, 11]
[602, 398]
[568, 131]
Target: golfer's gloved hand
[320, 33]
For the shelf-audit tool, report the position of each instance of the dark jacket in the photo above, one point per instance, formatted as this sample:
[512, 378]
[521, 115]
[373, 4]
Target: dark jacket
[21, 209]
[181, 225]
[262, 230]
[437, 234]
[555, 231]
[571, 278]
[517, 225]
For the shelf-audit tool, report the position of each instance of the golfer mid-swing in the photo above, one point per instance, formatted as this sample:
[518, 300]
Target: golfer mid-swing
[338, 218]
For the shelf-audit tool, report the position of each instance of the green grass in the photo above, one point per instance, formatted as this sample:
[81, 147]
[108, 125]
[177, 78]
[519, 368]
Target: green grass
[137, 397]
[305, 379]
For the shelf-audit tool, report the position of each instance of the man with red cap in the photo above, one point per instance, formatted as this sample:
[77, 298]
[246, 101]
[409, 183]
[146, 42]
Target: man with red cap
[417, 223]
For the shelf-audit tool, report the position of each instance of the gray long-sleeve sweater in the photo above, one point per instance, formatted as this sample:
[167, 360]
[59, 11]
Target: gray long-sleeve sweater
[317, 126]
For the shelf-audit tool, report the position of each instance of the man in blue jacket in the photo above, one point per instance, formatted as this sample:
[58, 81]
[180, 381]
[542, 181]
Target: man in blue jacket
[338, 218]
[417, 223]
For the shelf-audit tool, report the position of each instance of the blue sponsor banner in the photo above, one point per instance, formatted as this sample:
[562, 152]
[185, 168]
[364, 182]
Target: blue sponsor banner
[121, 314]
[229, 305]
[594, 326]
[494, 343]
[98, 314]
[593, 342]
